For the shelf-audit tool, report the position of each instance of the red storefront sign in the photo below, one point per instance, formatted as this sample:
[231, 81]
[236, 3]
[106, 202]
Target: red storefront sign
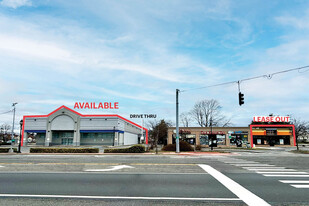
[183, 131]
[209, 132]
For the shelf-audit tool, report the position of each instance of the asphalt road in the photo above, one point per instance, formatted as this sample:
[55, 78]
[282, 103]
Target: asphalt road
[268, 176]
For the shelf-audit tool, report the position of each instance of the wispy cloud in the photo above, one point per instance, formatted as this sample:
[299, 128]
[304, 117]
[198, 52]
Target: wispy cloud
[15, 3]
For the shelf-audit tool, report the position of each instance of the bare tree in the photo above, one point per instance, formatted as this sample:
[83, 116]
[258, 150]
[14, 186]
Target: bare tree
[185, 119]
[301, 129]
[208, 113]
[5, 131]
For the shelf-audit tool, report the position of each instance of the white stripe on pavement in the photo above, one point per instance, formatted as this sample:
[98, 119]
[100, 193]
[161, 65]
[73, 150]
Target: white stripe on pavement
[286, 175]
[271, 169]
[300, 186]
[255, 165]
[281, 172]
[240, 162]
[248, 197]
[295, 181]
[264, 168]
[120, 197]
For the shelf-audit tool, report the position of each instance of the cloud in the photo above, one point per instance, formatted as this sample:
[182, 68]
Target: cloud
[300, 22]
[15, 3]
[139, 52]
[37, 49]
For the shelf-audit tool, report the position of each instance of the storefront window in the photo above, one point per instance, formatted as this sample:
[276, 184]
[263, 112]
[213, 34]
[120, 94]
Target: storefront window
[190, 138]
[97, 138]
[204, 140]
[221, 139]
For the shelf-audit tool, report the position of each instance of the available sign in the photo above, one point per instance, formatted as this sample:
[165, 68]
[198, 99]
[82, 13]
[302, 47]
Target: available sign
[271, 119]
[93, 105]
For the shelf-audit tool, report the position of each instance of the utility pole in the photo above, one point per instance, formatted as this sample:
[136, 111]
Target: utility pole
[177, 122]
[11, 149]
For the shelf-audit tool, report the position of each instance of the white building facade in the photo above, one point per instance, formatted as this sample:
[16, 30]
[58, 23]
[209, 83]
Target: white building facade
[65, 126]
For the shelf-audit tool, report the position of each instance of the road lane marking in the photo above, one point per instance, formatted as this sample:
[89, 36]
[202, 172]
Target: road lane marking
[113, 168]
[281, 172]
[120, 197]
[85, 163]
[271, 169]
[99, 173]
[295, 181]
[1, 166]
[245, 195]
[300, 186]
[286, 175]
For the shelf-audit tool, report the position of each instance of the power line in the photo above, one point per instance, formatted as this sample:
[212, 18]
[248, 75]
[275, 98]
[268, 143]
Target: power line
[268, 76]
[6, 112]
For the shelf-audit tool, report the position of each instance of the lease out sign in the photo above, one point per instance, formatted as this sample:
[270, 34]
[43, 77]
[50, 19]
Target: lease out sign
[271, 119]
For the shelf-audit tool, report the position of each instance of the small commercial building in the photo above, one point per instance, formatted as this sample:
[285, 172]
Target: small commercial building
[222, 136]
[65, 126]
[263, 131]
[272, 130]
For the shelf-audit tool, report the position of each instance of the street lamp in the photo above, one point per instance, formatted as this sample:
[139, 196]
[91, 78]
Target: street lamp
[11, 149]
[211, 133]
[20, 137]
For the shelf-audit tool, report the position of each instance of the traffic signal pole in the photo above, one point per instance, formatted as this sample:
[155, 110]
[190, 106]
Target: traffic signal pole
[177, 122]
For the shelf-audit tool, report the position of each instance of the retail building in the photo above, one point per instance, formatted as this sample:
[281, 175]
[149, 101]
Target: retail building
[65, 126]
[263, 131]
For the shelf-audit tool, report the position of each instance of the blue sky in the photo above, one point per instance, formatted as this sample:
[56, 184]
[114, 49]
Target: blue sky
[137, 53]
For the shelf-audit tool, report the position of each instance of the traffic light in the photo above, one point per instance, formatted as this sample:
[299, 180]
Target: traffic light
[241, 98]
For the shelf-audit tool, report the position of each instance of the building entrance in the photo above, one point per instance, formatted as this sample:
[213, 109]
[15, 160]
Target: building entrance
[67, 141]
[63, 137]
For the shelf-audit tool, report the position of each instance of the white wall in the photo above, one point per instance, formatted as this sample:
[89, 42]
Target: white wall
[35, 123]
[120, 139]
[62, 122]
[130, 138]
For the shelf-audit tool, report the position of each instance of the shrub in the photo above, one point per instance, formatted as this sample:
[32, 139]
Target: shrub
[5, 143]
[183, 146]
[132, 149]
[6, 150]
[64, 150]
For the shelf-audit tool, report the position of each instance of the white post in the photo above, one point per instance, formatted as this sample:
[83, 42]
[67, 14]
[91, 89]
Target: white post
[142, 130]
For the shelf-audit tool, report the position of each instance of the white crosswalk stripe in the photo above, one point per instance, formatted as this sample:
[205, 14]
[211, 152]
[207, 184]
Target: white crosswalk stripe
[271, 169]
[281, 172]
[277, 175]
[295, 181]
[268, 170]
[256, 165]
[300, 186]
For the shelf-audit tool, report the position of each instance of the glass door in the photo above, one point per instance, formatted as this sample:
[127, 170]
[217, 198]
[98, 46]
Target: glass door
[66, 138]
